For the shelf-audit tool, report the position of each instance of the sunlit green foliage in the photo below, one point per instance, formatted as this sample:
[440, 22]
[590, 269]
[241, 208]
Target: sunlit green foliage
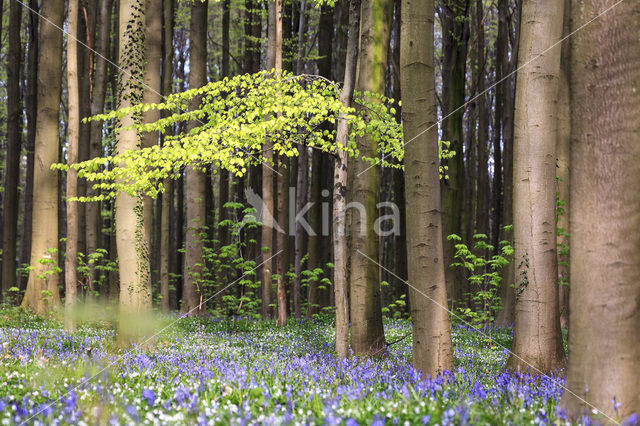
[234, 118]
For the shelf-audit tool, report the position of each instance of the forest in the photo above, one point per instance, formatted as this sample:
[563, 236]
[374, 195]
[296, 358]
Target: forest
[309, 212]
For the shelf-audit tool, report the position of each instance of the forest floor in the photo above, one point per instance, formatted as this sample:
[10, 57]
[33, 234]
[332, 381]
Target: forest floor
[210, 371]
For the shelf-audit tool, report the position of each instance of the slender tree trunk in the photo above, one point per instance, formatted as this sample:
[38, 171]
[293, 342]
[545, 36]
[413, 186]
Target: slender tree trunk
[92, 210]
[152, 89]
[31, 112]
[282, 237]
[167, 199]
[133, 251]
[455, 46]
[70, 260]
[318, 164]
[223, 183]
[537, 336]
[432, 349]
[507, 293]
[14, 142]
[340, 281]
[192, 291]
[604, 343]
[367, 333]
[301, 178]
[483, 185]
[274, 62]
[563, 152]
[42, 294]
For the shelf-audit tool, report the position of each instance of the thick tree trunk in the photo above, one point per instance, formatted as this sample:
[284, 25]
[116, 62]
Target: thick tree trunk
[367, 333]
[133, 252]
[340, 281]
[92, 210]
[537, 336]
[42, 294]
[432, 349]
[192, 290]
[604, 342]
[14, 142]
[70, 260]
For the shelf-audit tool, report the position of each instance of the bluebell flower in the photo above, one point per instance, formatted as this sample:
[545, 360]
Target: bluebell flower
[149, 396]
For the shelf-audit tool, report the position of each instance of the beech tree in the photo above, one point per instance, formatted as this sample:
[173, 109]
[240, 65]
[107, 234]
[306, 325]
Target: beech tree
[42, 295]
[14, 142]
[432, 348]
[195, 178]
[71, 254]
[537, 339]
[604, 343]
[133, 250]
[367, 333]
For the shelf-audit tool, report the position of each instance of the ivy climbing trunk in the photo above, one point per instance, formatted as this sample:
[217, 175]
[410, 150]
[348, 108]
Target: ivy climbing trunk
[42, 293]
[133, 252]
[340, 279]
[14, 142]
[604, 342]
[537, 339]
[192, 291]
[432, 348]
[367, 333]
[73, 130]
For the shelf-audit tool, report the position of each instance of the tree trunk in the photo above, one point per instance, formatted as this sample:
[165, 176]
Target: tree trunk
[42, 294]
[133, 251]
[31, 112]
[340, 281]
[432, 349]
[455, 28]
[319, 159]
[192, 290]
[563, 152]
[152, 89]
[483, 185]
[167, 199]
[70, 259]
[274, 61]
[604, 343]
[14, 141]
[367, 333]
[92, 209]
[537, 340]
